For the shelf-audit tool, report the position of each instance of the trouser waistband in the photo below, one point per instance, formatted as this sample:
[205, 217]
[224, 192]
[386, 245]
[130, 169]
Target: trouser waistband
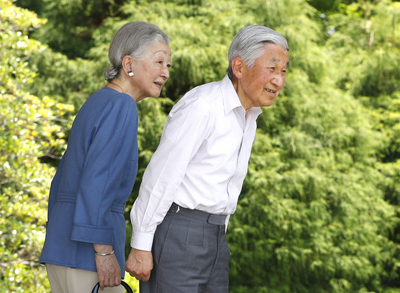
[115, 207]
[198, 215]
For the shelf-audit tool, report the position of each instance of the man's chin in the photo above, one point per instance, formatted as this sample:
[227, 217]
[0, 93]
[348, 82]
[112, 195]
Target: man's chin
[268, 103]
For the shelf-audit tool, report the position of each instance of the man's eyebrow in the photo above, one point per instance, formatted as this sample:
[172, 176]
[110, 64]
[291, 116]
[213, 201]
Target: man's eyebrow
[274, 59]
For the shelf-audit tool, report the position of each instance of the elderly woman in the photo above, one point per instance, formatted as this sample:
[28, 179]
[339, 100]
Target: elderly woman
[85, 235]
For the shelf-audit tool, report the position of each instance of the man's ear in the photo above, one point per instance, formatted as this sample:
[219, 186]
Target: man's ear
[238, 66]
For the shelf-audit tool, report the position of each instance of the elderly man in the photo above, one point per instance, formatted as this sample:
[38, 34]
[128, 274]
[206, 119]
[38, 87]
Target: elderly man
[192, 183]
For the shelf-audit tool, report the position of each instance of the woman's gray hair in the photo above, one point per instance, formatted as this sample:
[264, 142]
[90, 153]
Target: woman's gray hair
[132, 39]
[249, 43]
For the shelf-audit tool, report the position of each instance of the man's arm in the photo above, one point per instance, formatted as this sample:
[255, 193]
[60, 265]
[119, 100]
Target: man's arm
[187, 127]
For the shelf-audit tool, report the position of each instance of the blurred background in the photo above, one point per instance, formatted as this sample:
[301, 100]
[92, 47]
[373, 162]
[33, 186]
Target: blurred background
[319, 210]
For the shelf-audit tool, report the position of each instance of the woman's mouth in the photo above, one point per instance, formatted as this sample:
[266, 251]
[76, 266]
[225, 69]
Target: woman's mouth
[159, 85]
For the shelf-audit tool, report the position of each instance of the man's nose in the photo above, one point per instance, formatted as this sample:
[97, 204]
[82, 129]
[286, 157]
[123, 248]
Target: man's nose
[279, 80]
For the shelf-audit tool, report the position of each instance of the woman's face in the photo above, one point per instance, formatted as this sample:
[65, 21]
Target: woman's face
[151, 72]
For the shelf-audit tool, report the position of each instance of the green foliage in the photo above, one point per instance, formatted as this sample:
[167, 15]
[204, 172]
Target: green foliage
[365, 35]
[319, 210]
[72, 22]
[24, 182]
[312, 215]
[311, 218]
[68, 81]
[367, 50]
[27, 132]
[16, 46]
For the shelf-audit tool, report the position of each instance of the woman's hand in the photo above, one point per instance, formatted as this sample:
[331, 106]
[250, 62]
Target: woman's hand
[139, 264]
[107, 267]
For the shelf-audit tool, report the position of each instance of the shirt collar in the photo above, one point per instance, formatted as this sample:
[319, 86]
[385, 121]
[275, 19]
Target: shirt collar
[256, 111]
[231, 99]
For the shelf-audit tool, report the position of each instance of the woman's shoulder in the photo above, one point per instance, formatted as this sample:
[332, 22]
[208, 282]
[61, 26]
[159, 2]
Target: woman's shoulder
[110, 96]
[106, 102]
[107, 99]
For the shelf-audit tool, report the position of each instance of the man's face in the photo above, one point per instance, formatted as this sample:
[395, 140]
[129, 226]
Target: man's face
[261, 84]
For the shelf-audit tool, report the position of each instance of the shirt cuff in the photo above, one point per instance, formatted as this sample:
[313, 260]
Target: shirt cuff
[142, 241]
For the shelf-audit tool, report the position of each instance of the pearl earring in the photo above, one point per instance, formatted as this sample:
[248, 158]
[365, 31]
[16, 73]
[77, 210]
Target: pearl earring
[130, 73]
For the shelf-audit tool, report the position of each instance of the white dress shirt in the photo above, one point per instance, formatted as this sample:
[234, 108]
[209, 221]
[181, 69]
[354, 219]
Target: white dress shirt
[201, 160]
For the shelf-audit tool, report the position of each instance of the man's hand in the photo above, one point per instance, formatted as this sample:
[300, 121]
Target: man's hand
[139, 264]
[107, 267]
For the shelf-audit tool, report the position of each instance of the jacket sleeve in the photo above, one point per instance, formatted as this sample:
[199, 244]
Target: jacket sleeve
[188, 125]
[113, 138]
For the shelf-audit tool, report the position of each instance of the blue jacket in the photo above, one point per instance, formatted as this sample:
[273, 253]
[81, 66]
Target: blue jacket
[93, 181]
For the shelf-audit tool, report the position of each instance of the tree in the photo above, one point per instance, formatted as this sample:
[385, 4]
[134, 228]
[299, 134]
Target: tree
[316, 185]
[30, 127]
[372, 76]
[319, 207]
[71, 22]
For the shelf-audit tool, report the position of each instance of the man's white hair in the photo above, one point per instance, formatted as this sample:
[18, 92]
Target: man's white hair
[249, 44]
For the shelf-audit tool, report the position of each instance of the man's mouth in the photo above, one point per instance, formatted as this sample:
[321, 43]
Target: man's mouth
[270, 91]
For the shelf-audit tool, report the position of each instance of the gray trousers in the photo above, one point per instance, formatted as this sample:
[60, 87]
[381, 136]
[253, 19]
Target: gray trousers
[190, 254]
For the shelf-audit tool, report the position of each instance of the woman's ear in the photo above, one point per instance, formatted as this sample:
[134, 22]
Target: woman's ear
[237, 67]
[128, 64]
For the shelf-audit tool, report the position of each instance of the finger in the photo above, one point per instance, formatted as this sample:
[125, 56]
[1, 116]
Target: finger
[101, 282]
[127, 267]
[117, 280]
[110, 283]
[146, 277]
[130, 269]
[106, 283]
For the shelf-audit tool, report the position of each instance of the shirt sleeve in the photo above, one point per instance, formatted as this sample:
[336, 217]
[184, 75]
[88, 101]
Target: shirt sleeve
[113, 138]
[188, 125]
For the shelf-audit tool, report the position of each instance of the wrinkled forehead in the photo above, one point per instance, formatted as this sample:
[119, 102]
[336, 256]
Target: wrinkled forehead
[157, 48]
[276, 54]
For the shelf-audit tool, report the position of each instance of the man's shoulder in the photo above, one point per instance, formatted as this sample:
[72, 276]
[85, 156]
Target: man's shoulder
[208, 92]
[204, 98]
